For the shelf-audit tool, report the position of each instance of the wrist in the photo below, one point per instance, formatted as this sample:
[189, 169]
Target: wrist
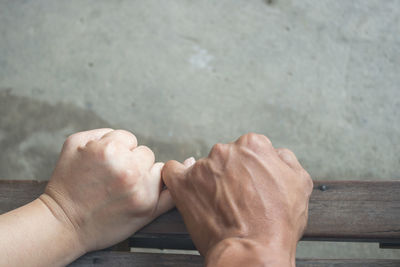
[72, 239]
[248, 252]
[43, 238]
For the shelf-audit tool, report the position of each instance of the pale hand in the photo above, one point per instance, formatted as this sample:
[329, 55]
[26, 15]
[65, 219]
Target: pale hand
[105, 187]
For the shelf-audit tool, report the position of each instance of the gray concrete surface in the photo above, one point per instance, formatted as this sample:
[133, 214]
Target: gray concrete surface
[319, 77]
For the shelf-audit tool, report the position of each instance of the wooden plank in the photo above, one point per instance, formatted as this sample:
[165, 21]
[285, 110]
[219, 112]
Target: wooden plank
[347, 263]
[339, 211]
[105, 258]
[355, 211]
[16, 193]
[122, 259]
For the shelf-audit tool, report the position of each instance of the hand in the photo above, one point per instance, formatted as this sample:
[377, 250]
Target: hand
[246, 198]
[106, 188]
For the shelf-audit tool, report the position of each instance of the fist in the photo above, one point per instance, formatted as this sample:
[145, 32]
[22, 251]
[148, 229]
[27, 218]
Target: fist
[106, 187]
[246, 190]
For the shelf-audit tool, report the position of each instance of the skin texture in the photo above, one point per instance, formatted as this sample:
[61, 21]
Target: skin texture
[246, 204]
[103, 189]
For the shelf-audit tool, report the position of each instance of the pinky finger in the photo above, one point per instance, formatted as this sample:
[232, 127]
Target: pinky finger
[189, 162]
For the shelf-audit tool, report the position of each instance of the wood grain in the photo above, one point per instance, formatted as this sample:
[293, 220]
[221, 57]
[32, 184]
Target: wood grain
[105, 258]
[339, 210]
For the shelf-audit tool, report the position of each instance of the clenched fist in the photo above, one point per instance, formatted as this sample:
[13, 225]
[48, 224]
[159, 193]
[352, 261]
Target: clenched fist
[105, 187]
[246, 204]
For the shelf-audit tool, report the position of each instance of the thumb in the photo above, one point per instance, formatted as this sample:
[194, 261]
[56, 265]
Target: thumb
[165, 203]
[171, 171]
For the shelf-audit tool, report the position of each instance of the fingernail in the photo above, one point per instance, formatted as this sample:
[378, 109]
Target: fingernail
[189, 162]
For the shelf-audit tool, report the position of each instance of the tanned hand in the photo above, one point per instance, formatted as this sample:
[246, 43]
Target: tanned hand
[246, 204]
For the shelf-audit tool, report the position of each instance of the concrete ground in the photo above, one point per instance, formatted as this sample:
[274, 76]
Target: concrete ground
[319, 77]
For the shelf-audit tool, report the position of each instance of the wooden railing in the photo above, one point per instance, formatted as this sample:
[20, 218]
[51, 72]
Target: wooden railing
[355, 211]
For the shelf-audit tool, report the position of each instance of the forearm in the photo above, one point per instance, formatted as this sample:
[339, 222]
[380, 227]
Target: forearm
[32, 236]
[237, 252]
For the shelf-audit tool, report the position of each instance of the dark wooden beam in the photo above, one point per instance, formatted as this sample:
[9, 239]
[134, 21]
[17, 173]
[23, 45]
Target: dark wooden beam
[339, 211]
[122, 259]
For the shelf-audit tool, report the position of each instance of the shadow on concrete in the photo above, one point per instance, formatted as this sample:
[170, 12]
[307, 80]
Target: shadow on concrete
[32, 133]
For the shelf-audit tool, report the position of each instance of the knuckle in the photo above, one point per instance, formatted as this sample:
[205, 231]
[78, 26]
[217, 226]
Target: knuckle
[309, 184]
[126, 177]
[72, 140]
[125, 132]
[91, 145]
[168, 165]
[107, 149]
[286, 151]
[138, 198]
[287, 155]
[198, 164]
[109, 143]
[265, 140]
[217, 149]
[255, 139]
[121, 131]
[199, 168]
[252, 137]
[147, 151]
